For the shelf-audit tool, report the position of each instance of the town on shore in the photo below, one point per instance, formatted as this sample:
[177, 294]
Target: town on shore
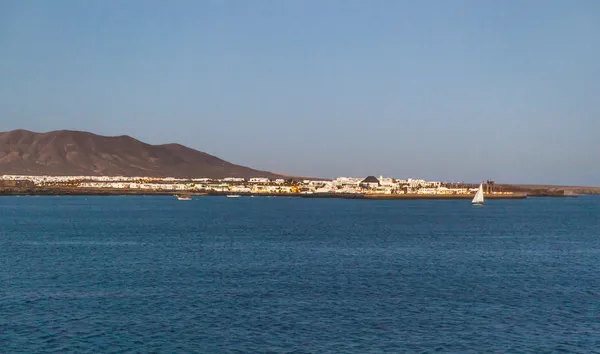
[370, 186]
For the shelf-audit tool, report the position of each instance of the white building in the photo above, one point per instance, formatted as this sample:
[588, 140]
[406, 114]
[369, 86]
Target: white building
[347, 181]
[233, 179]
[259, 180]
[388, 182]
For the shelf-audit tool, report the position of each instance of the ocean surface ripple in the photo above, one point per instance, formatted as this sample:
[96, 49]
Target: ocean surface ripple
[285, 275]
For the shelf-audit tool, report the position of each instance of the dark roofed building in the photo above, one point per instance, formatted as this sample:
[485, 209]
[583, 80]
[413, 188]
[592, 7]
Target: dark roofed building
[370, 182]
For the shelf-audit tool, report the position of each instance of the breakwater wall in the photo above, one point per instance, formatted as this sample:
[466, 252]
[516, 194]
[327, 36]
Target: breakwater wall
[118, 192]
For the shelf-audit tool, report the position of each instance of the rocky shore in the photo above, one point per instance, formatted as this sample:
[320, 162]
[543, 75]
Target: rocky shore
[125, 192]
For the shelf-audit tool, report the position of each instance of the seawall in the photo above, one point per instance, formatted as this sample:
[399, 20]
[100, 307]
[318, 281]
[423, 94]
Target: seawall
[414, 196]
[119, 192]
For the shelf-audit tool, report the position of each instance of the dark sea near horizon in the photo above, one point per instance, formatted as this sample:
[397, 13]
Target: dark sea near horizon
[256, 275]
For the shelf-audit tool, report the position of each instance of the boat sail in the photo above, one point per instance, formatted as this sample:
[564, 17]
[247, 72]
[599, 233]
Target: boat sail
[478, 198]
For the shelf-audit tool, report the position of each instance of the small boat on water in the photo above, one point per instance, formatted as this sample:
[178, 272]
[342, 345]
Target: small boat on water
[232, 196]
[183, 197]
[478, 199]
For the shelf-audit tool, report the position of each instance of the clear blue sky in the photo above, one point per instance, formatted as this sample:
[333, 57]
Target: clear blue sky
[453, 90]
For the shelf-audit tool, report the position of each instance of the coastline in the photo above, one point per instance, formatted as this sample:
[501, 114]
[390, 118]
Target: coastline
[122, 192]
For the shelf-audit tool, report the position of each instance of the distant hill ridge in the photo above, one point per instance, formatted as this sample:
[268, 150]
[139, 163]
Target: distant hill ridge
[77, 153]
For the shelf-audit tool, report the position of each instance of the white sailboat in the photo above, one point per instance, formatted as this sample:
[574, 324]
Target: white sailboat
[478, 198]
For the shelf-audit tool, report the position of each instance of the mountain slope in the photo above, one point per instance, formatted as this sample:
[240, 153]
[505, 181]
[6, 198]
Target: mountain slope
[73, 153]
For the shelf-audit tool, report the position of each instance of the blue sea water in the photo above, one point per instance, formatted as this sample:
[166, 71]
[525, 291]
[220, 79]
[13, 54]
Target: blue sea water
[256, 275]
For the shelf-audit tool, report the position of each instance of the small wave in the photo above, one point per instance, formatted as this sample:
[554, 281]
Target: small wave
[30, 297]
[79, 243]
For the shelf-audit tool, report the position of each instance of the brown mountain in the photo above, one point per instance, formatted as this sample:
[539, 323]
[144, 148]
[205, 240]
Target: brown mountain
[73, 153]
